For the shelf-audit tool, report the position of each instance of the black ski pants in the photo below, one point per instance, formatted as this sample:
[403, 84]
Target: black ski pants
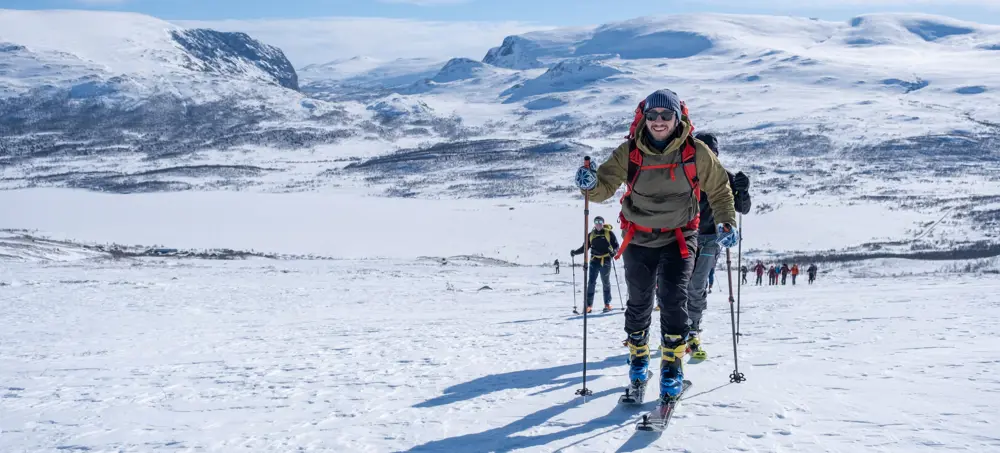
[661, 270]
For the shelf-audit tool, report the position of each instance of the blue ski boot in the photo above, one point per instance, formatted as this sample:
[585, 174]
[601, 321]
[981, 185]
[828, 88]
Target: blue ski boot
[638, 368]
[671, 367]
[638, 357]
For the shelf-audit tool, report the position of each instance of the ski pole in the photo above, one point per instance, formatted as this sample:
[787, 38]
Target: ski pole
[584, 392]
[736, 377]
[739, 285]
[572, 260]
[618, 284]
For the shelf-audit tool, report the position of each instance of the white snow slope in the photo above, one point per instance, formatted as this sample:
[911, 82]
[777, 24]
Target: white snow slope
[411, 356]
[352, 226]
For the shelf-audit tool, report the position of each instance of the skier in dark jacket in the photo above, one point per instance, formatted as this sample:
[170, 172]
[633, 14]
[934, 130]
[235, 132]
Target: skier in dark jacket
[707, 256]
[744, 270]
[784, 273]
[759, 270]
[772, 273]
[603, 246]
[812, 273]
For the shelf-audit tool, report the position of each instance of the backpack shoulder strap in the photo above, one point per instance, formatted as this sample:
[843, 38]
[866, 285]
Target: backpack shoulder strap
[634, 164]
[688, 160]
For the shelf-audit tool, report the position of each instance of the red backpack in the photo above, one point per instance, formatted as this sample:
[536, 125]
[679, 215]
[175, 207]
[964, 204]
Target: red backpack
[635, 166]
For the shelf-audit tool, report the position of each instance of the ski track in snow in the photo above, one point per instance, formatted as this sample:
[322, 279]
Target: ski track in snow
[375, 356]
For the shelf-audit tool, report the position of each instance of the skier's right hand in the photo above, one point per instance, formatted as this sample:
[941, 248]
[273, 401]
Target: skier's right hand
[586, 178]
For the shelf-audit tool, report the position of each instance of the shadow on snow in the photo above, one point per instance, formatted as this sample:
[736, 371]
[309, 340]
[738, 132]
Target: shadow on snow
[522, 379]
[505, 438]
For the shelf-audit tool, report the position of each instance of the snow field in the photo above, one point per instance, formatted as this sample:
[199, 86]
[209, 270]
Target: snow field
[381, 355]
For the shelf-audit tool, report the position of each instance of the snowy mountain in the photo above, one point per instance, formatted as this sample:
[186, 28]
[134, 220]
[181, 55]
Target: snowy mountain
[881, 116]
[154, 54]
[365, 78]
[77, 84]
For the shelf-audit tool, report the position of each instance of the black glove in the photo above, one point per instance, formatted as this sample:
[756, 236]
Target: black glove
[741, 182]
[741, 201]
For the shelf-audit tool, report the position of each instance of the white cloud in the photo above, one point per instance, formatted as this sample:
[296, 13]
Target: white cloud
[426, 2]
[319, 40]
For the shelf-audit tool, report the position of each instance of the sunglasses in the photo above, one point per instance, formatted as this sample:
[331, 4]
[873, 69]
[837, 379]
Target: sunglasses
[666, 115]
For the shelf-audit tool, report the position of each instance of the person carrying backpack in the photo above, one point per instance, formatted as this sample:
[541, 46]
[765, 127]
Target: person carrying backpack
[665, 169]
[772, 276]
[784, 273]
[759, 269]
[707, 256]
[795, 273]
[603, 244]
[812, 273]
[744, 270]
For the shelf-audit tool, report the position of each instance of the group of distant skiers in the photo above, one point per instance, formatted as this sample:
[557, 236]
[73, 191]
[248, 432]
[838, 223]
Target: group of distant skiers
[678, 214]
[775, 272]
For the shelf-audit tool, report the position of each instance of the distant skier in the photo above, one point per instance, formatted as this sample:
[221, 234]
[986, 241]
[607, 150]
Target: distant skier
[812, 273]
[744, 270]
[659, 218]
[759, 269]
[795, 273]
[703, 275]
[603, 243]
[556, 264]
[784, 273]
[772, 274]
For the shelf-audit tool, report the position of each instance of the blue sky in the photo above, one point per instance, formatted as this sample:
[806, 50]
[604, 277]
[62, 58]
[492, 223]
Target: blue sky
[544, 12]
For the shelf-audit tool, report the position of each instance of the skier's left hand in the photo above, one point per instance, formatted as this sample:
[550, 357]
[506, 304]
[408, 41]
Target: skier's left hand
[741, 201]
[741, 182]
[727, 235]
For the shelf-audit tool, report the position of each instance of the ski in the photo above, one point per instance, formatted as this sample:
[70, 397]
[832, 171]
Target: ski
[658, 418]
[634, 394]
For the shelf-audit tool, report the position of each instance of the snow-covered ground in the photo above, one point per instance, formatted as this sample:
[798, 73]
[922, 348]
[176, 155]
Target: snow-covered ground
[409, 355]
[346, 225]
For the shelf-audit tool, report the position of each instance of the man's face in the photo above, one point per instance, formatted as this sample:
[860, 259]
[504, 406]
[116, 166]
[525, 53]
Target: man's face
[661, 123]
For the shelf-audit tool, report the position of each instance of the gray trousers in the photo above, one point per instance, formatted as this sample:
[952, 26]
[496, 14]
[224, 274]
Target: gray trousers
[708, 254]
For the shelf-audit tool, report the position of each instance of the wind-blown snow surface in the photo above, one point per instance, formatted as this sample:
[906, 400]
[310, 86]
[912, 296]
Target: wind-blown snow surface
[378, 356]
